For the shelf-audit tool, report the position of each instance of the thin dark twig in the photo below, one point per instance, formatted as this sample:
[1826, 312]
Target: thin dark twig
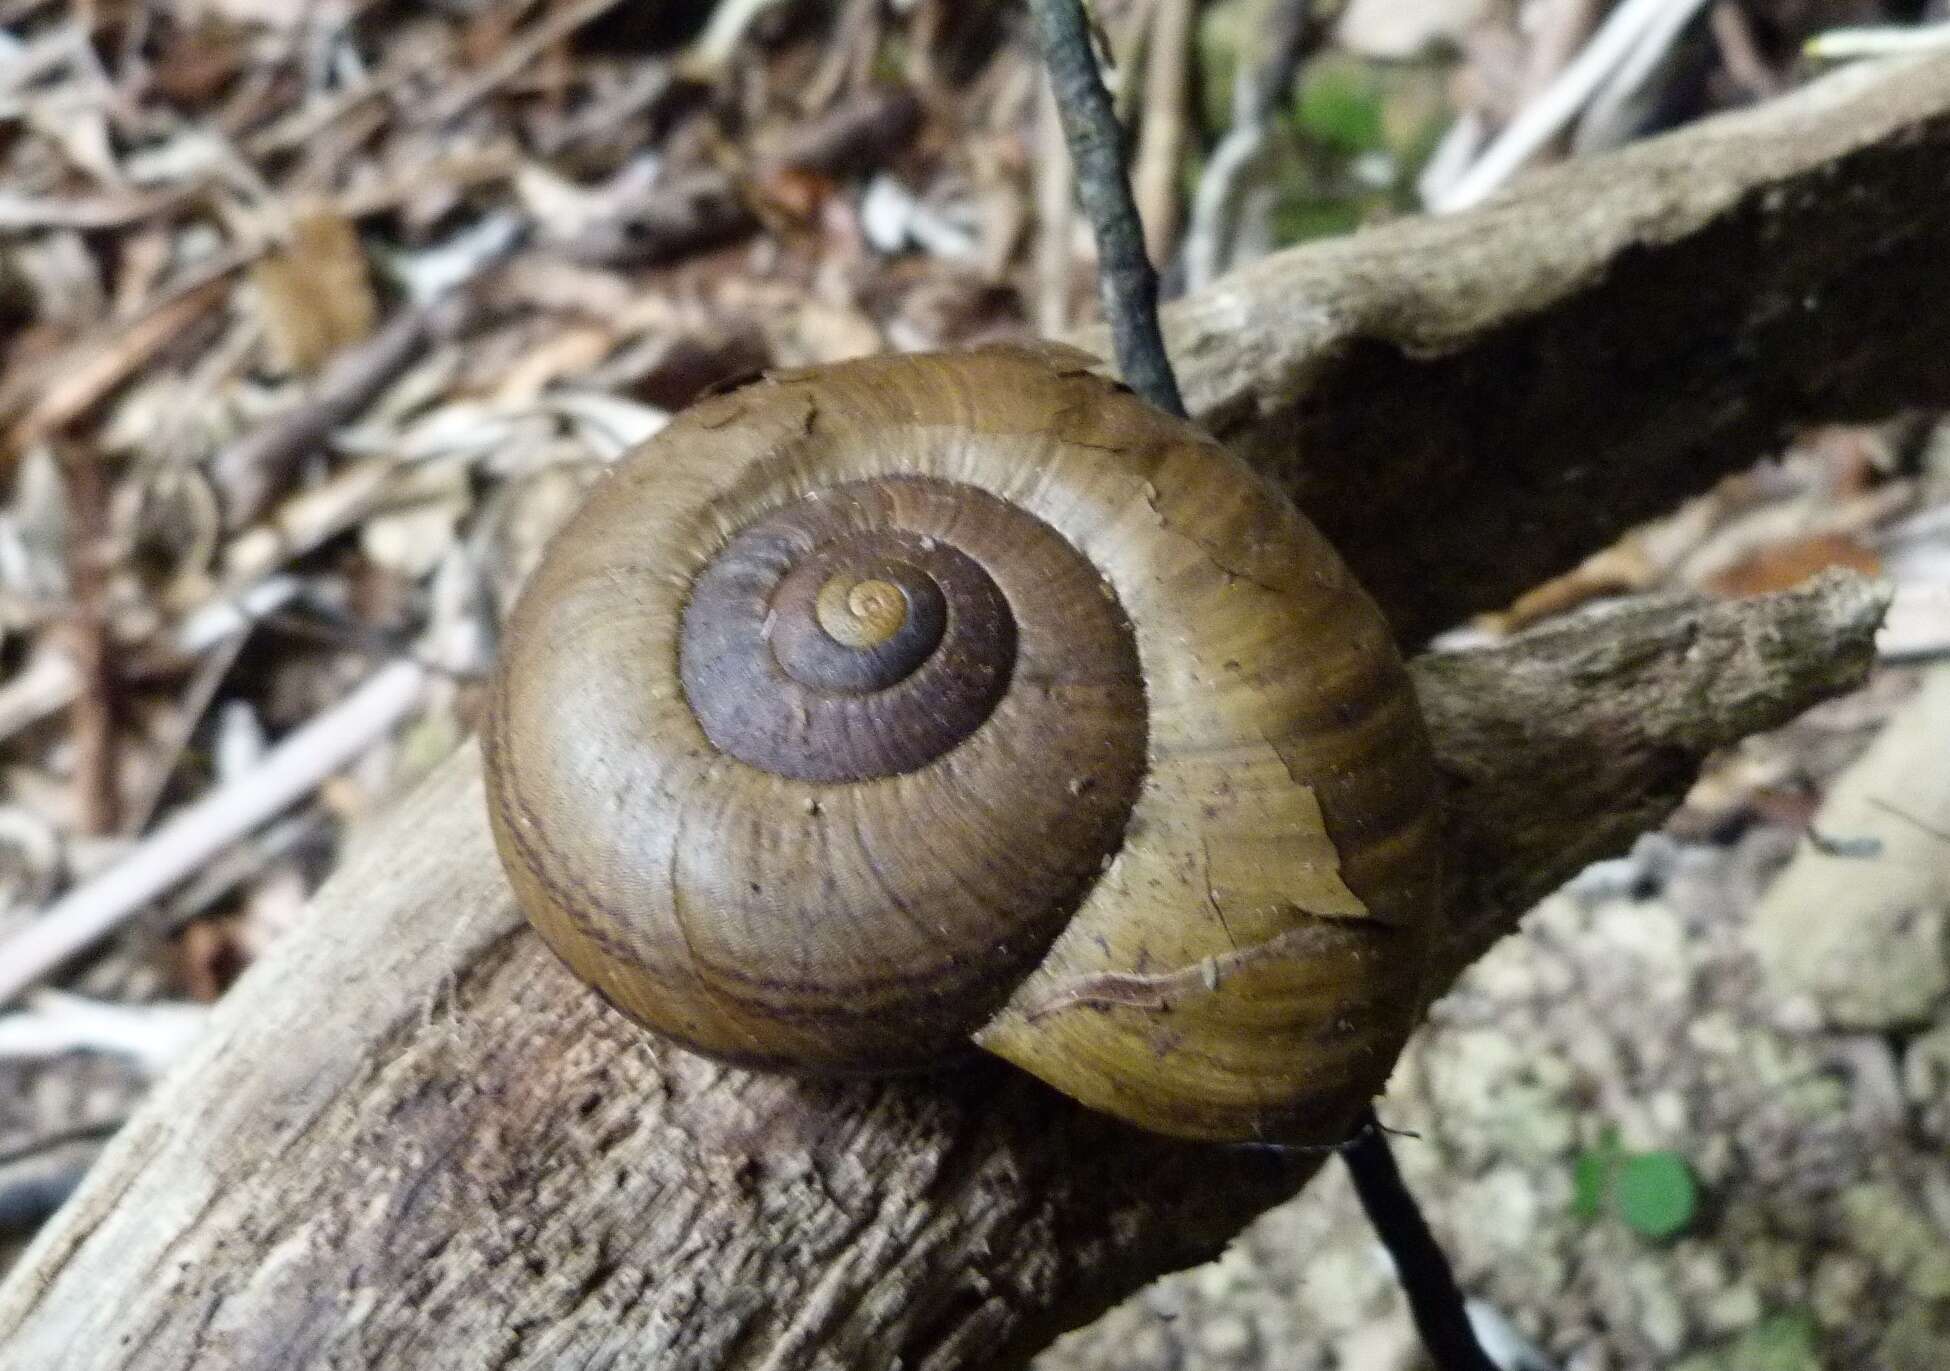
[1130, 291]
[1434, 1299]
[1124, 273]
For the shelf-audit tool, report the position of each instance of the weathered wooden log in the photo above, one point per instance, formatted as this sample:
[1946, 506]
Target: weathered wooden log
[411, 1139]
[1468, 405]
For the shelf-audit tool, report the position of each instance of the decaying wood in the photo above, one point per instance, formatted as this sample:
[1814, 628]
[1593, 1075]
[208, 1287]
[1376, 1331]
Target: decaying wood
[410, 1139]
[1625, 736]
[1467, 405]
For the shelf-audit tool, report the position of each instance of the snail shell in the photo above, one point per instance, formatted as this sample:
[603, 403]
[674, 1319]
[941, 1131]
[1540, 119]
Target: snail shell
[872, 710]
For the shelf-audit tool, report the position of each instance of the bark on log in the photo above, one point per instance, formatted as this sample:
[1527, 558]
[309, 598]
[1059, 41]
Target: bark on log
[1468, 405]
[409, 1139]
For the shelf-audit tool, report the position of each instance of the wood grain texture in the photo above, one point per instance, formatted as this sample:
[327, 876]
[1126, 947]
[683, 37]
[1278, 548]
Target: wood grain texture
[1468, 405]
[411, 1139]
[1149, 810]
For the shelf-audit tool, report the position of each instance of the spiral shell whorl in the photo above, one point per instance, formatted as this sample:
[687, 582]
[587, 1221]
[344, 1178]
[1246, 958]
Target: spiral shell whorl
[838, 640]
[924, 698]
[842, 855]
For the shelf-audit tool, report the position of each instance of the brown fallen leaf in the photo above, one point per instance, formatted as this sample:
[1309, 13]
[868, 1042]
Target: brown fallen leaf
[196, 63]
[793, 193]
[1788, 564]
[315, 292]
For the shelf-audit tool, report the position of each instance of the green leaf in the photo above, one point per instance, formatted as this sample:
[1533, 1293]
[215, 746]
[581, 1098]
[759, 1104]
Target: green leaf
[1591, 1174]
[1590, 1179]
[1340, 108]
[1656, 1193]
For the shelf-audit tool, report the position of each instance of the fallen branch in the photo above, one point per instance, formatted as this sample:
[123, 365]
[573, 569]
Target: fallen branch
[1469, 405]
[410, 1136]
[1617, 662]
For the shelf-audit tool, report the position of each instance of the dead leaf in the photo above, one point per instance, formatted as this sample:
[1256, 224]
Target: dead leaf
[316, 292]
[197, 63]
[1788, 564]
[793, 193]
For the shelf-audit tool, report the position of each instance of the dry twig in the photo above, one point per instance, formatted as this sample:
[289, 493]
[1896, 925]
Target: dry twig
[94, 714]
[1127, 281]
[84, 379]
[93, 909]
[527, 47]
[1633, 36]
